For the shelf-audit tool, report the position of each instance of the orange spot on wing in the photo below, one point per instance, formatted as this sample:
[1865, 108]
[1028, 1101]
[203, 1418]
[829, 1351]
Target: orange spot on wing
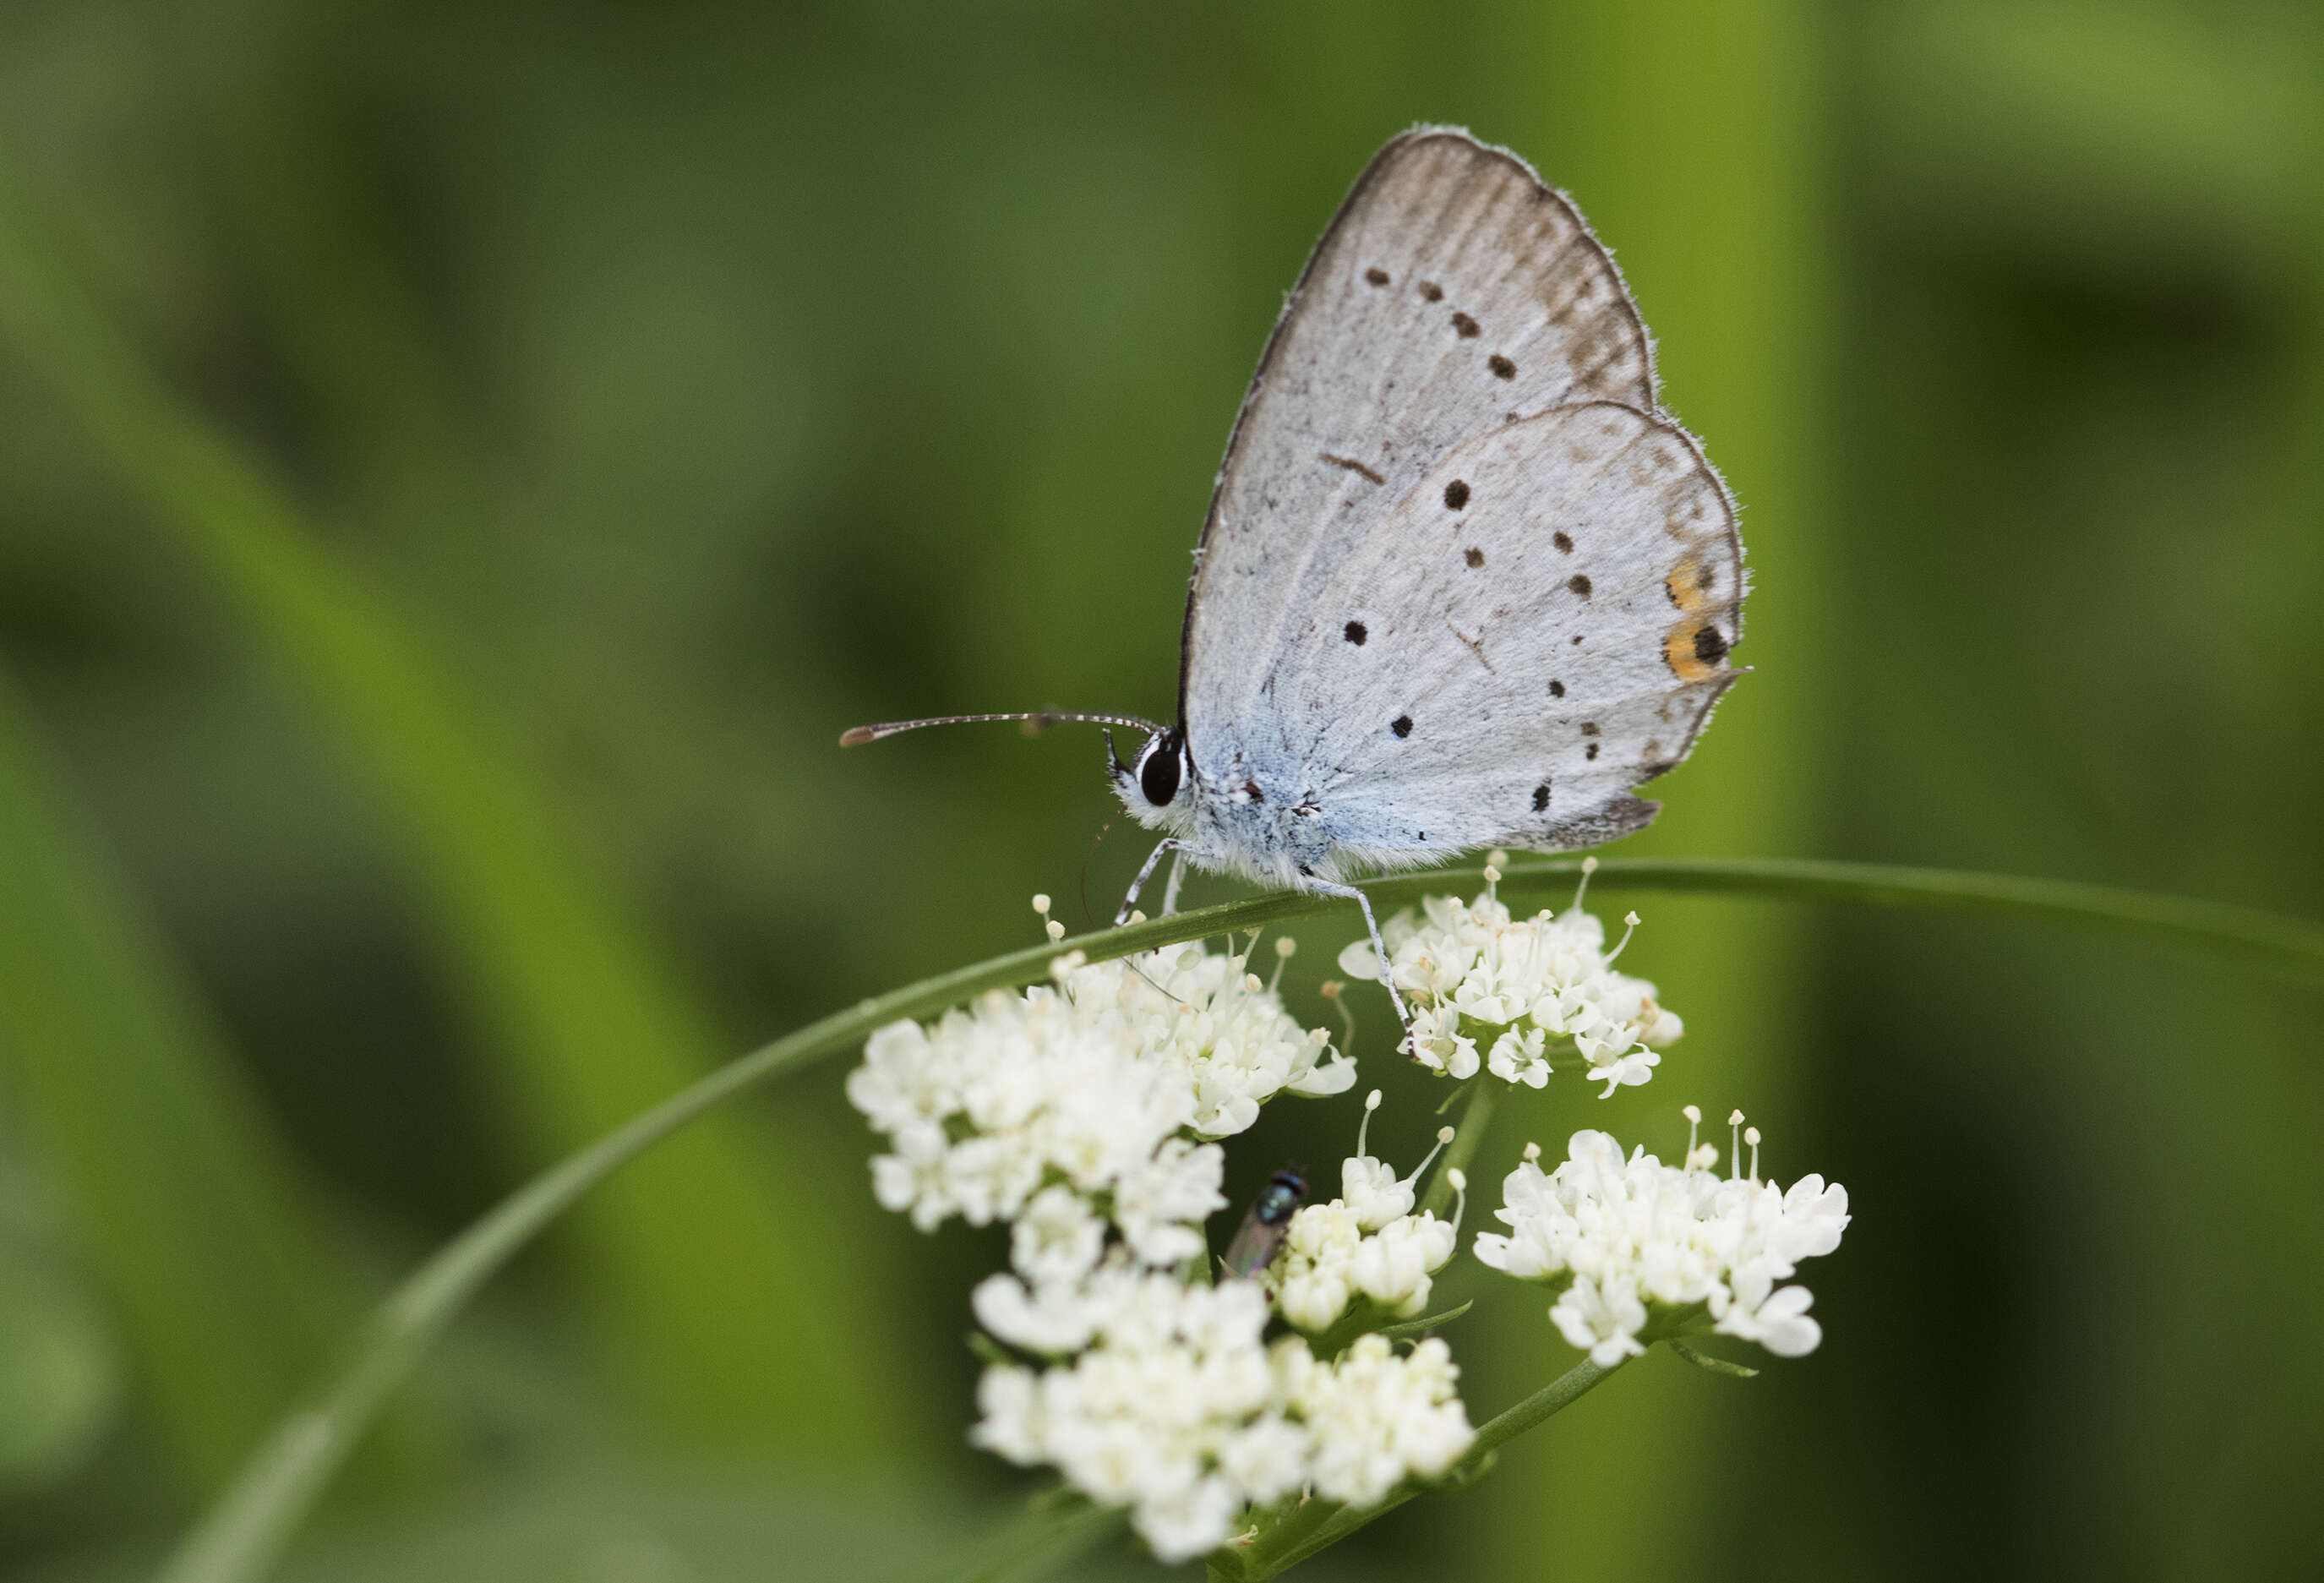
[1678, 653]
[1689, 584]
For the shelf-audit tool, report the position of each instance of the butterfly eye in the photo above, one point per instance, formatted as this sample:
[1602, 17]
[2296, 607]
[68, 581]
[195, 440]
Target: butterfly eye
[1158, 769]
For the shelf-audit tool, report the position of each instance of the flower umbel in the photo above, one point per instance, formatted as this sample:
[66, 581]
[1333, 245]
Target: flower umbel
[1180, 1412]
[1099, 1083]
[1626, 1241]
[1366, 1244]
[1495, 992]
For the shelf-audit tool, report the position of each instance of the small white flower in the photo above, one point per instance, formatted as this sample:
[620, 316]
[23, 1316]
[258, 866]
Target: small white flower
[1269, 1459]
[1372, 1193]
[1777, 1319]
[1393, 1265]
[1182, 1524]
[1814, 1214]
[1603, 1324]
[1438, 1043]
[1628, 1070]
[1516, 1057]
[1161, 1203]
[1056, 1239]
[1053, 1319]
[1010, 1399]
[1313, 1288]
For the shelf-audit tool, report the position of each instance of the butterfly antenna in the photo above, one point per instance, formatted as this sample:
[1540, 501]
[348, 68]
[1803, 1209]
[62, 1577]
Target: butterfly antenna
[856, 737]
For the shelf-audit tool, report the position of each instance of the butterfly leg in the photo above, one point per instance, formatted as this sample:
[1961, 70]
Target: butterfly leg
[1170, 891]
[1169, 844]
[1388, 973]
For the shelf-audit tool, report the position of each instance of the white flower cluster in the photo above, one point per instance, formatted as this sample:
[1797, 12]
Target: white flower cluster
[1627, 1240]
[1366, 1243]
[1474, 974]
[1181, 1413]
[1078, 1114]
[1375, 1417]
[1099, 1084]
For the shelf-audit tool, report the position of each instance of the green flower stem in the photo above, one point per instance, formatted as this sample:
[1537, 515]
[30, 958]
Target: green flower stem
[238, 1538]
[1484, 1095]
[1538, 1409]
[1279, 1549]
[1279, 1544]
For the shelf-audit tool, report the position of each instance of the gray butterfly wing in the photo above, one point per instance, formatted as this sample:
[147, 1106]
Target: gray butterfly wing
[1453, 291]
[1528, 655]
[1454, 297]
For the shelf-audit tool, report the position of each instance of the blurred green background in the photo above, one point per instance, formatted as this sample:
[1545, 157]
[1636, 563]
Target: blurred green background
[463, 465]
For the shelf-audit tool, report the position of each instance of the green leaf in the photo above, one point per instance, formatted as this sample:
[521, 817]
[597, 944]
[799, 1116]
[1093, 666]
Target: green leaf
[1715, 1365]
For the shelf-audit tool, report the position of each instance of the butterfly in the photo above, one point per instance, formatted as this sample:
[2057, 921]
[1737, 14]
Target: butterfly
[1464, 583]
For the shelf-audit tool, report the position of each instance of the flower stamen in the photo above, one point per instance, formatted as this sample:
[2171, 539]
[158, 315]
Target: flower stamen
[1443, 1136]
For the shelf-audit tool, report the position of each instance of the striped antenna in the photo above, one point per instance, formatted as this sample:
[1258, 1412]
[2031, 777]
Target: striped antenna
[860, 735]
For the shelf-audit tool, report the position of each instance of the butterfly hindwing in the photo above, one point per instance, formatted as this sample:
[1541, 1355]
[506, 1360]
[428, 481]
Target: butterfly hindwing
[1530, 657]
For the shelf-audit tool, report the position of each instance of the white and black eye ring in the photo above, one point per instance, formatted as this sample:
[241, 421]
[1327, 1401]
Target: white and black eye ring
[1160, 765]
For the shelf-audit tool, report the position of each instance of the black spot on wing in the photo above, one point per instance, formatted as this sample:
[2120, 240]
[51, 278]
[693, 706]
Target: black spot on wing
[1354, 633]
[1456, 495]
[1541, 797]
[1580, 585]
[1590, 751]
[1430, 292]
[1590, 727]
[1401, 726]
[1557, 690]
[1350, 464]
[1466, 328]
[1563, 541]
[1709, 644]
[1476, 556]
[1501, 366]
[1377, 276]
